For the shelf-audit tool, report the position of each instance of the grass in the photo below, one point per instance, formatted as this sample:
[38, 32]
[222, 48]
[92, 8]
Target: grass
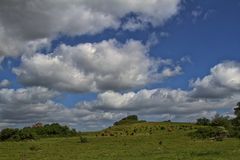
[115, 144]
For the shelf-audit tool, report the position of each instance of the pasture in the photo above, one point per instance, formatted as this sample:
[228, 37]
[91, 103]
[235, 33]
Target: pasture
[140, 141]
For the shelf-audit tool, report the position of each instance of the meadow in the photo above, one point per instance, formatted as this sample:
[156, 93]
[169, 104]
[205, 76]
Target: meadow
[140, 141]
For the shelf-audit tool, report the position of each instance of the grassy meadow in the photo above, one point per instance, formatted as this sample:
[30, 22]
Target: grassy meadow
[140, 141]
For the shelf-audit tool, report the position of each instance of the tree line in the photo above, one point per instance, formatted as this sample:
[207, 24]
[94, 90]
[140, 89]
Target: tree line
[219, 127]
[38, 130]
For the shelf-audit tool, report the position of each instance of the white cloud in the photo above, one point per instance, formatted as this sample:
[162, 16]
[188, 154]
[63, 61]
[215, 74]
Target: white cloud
[35, 104]
[25, 22]
[22, 105]
[26, 106]
[107, 65]
[26, 95]
[164, 34]
[4, 83]
[133, 24]
[160, 101]
[223, 81]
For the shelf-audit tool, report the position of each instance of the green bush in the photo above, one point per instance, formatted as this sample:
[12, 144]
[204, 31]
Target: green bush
[31, 133]
[26, 134]
[215, 133]
[8, 134]
[221, 121]
[235, 131]
[129, 120]
[83, 139]
[203, 121]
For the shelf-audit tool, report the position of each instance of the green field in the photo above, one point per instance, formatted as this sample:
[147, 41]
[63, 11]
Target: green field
[148, 141]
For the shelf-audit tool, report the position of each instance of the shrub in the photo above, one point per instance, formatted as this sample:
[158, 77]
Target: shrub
[83, 139]
[162, 128]
[203, 121]
[216, 133]
[17, 135]
[129, 120]
[221, 121]
[235, 131]
[7, 134]
[37, 130]
[26, 134]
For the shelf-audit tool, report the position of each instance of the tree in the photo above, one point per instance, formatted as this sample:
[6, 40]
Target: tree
[221, 121]
[128, 120]
[236, 121]
[237, 110]
[7, 134]
[203, 121]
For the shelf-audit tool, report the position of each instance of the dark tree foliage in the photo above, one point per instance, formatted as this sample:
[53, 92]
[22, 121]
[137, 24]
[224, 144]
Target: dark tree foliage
[129, 120]
[7, 133]
[203, 121]
[83, 139]
[215, 133]
[221, 121]
[131, 117]
[236, 121]
[237, 110]
[231, 126]
[36, 131]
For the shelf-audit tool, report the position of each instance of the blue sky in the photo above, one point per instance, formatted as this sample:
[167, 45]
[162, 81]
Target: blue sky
[197, 41]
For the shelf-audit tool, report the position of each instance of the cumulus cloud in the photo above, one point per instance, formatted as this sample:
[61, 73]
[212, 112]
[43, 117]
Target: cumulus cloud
[160, 104]
[34, 104]
[4, 83]
[32, 21]
[223, 81]
[159, 101]
[22, 104]
[107, 65]
[133, 24]
[26, 106]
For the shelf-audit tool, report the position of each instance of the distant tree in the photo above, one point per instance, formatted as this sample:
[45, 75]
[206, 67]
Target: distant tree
[131, 117]
[237, 109]
[219, 120]
[203, 121]
[7, 134]
[236, 120]
[83, 139]
[37, 130]
[215, 133]
[26, 133]
[128, 120]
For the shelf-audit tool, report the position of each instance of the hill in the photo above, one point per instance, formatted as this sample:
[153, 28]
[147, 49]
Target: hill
[127, 140]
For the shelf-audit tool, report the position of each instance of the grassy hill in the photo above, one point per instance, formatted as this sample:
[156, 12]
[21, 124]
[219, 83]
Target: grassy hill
[126, 141]
[146, 128]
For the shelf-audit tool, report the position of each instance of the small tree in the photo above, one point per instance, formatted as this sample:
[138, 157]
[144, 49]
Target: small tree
[221, 121]
[7, 134]
[83, 139]
[203, 121]
[235, 132]
[236, 121]
[237, 110]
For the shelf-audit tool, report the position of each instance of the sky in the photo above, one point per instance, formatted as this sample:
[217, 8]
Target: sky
[87, 64]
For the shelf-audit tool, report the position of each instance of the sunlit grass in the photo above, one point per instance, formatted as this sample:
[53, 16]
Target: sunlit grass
[175, 145]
